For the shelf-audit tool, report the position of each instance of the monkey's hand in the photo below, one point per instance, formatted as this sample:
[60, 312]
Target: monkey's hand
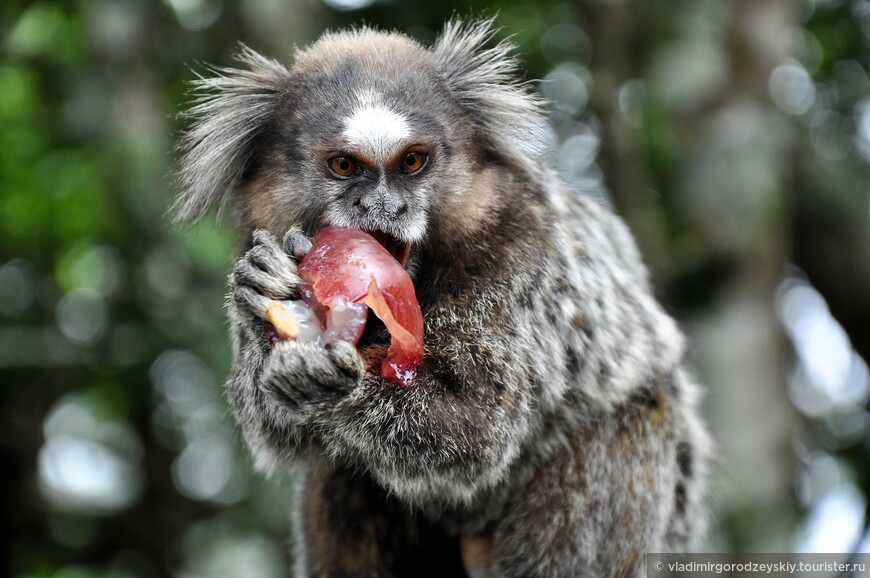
[296, 377]
[300, 375]
[266, 272]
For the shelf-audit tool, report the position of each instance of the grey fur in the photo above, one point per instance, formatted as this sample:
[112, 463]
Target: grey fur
[483, 80]
[552, 414]
[230, 110]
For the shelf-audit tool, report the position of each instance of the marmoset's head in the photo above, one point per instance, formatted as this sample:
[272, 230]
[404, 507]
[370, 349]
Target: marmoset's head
[367, 130]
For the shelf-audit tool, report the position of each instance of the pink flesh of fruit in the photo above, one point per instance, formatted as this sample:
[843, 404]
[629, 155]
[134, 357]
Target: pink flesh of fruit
[350, 264]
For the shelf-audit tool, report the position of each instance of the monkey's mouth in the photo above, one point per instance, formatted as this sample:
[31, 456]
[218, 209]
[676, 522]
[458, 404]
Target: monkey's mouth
[374, 330]
[400, 250]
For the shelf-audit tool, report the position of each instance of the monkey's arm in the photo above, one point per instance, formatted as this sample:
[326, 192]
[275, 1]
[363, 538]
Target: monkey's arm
[268, 429]
[275, 419]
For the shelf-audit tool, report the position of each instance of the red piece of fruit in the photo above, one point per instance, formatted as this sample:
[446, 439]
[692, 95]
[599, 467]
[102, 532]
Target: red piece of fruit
[352, 265]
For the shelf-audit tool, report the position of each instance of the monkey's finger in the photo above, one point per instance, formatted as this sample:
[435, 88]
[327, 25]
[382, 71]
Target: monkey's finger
[264, 237]
[270, 258]
[345, 358]
[321, 369]
[267, 253]
[250, 302]
[281, 284]
[283, 378]
[297, 374]
[296, 244]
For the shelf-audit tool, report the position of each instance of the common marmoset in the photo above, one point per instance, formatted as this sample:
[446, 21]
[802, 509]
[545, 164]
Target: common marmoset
[552, 429]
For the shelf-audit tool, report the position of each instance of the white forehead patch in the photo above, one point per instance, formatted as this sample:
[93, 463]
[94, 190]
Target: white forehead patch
[376, 130]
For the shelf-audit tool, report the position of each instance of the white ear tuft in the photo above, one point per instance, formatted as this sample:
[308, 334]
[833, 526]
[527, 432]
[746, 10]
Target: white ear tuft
[231, 109]
[509, 117]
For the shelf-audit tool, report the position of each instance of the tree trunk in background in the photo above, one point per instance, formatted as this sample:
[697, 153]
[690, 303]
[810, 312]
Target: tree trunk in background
[719, 165]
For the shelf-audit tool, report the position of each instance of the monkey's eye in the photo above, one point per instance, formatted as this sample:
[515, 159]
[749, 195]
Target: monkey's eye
[413, 162]
[342, 167]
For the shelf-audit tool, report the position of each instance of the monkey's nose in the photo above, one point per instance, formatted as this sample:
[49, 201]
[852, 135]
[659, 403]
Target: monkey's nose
[386, 205]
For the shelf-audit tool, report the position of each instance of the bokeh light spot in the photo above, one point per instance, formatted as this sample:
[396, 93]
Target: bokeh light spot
[82, 316]
[791, 88]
